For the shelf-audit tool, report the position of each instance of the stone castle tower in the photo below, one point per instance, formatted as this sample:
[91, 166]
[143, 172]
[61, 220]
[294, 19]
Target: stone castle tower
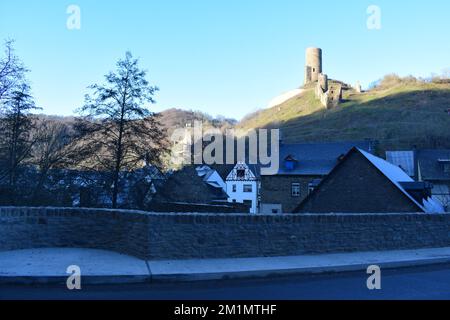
[313, 66]
[329, 92]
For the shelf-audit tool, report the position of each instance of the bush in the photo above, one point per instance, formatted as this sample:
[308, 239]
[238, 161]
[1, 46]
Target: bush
[392, 80]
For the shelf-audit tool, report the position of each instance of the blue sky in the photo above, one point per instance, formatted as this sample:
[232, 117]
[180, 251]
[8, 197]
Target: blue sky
[222, 57]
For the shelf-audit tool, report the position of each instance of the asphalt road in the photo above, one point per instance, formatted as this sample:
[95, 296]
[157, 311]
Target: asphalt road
[405, 284]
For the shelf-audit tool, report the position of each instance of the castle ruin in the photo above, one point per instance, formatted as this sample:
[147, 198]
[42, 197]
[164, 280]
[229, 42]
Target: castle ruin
[329, 92]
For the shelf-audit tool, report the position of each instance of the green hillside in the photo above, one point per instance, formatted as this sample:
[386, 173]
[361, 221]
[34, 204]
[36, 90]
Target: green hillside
[399, 113]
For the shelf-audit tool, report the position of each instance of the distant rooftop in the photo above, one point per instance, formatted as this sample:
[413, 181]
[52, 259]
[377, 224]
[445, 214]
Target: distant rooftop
[317, 158]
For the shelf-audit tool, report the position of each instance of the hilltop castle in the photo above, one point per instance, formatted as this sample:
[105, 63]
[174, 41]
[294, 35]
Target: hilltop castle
[329, 92]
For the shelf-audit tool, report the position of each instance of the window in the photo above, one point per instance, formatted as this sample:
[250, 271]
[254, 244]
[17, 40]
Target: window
[447, 168]
[241, 174]
[313, 185]
[289, 165]
[296, 189]
[248, 188]
[234, 188]
[275, 211]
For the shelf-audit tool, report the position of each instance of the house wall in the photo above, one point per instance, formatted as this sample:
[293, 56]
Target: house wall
[240, 196]
[278, 190]
[270, 208]
[189, 236]
[356, 186]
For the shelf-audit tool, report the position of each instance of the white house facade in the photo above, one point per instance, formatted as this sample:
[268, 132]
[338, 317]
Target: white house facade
[242, 186]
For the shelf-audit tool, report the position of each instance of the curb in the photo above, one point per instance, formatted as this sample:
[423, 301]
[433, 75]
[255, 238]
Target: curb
[260, 274]
[217, 276]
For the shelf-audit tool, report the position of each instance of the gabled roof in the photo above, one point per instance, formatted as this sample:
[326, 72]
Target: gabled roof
[395, 174]
[317, 158]
[398, 176]
[248, 175]
[223, 169]
[186, 185]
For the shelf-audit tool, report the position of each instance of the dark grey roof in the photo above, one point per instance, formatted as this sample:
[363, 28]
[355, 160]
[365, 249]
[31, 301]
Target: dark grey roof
[186, 186]
[429, 166]
[317, 158]
[225, 169]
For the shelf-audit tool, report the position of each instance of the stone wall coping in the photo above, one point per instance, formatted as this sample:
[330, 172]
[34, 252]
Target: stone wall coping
[159, 214]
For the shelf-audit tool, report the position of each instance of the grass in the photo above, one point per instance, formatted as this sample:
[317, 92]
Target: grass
[399, 115]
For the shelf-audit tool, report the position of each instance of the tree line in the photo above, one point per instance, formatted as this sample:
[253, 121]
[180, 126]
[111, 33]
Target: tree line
[114, 131]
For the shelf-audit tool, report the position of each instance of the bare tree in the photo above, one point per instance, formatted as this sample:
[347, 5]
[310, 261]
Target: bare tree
[119, 129]
[11, 70]
[54, 148]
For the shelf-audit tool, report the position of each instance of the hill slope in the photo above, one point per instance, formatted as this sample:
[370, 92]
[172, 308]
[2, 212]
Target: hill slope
[399, 115]
[176, 118]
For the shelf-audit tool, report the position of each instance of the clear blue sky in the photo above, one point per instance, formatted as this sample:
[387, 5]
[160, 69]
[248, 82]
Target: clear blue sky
[222, 57]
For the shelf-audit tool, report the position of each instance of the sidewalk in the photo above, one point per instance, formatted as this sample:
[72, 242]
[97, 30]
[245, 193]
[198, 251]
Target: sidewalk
[103, 267]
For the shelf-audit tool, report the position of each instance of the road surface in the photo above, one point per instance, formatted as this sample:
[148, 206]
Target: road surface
[415, 283]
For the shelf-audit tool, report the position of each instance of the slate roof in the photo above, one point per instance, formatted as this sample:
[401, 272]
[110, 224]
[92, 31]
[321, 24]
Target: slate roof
[225, 169]
[186, 186]
[429, 166]
[395, 174]
[399, 177]
[317, 159]
[403, 159]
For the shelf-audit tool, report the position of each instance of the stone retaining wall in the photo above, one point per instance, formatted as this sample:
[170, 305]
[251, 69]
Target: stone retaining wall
[185, 236]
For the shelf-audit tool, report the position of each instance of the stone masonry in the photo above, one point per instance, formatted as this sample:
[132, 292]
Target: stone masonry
[329, 92]
[188, 236]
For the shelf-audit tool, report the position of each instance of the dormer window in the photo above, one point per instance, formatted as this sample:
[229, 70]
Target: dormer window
[289, 163]
[240, 174]
[445, 165]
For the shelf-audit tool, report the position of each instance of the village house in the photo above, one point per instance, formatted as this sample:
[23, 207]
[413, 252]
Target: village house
[302, 167]
[192, 185]
[243, 185]
[432, 166]
[196, 189]
[364, 183]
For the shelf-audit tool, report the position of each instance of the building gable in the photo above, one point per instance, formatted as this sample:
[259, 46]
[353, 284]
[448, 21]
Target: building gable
[241, 172]
[357, 186]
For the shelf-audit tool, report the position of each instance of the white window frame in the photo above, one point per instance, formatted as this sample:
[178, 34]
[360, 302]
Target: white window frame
[297, 187]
